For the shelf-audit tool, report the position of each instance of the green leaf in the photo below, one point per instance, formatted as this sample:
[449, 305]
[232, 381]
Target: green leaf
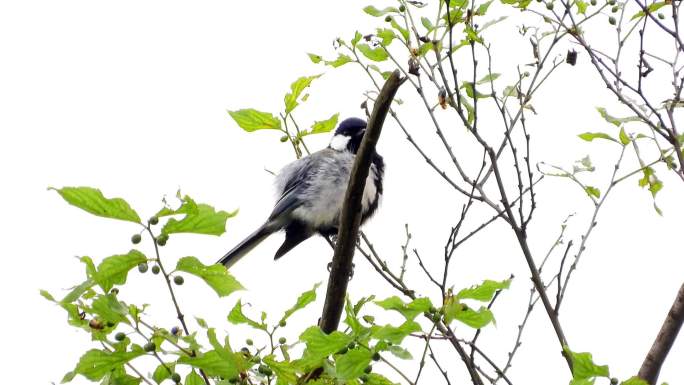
[283, 370]
[482, 8]
[425, 48]
[410, 310]
[371, 10]
[161, 373]
[357, 37]
[583, 366]
[212, 363]
[511, 91]
[188, 206]
[651, 8]
[634, 381]
[216, 276]
[304, 299]
[45, 294]
[352, 364]
[297, 87]
[236, 316]
[320, 345]
[251, 120]
[340, 61]
[488, 78]
[403, 31]
[400, 352]
[315, 58]
[581, 7]
[427, 24]
[92, 201]
[472, 91]
[624, 138]
[592, 191]
[395, 334]
[201, 322]
[614, 120]
[95, 364]
[109, 308]
[378, 379]
[324, 126]
[475, 319]
[387, 35]
[375, 54]
[485, 291]
[193, 379]
[114, 270]
[589, 136]
[206, 220]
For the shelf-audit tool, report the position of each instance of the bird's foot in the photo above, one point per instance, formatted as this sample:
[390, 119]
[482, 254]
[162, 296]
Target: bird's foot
[351, 274]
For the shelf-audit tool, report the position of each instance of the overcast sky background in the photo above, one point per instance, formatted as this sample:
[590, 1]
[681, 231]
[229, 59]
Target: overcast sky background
[131, 97]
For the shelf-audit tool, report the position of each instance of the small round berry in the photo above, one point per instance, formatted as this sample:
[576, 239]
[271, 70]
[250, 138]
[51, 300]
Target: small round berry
[114, 291]
[612, 20]
[120, 336]
[161, 239]
[110, 324]
[661, 16]
[549, 5]
[176, 378]
[155, 269]
[388, 18]
[368, 369]
[344, 350]
[376, 356]
[96, 324]
[351, 345]
[178, 280]
[142, 267]
[284, 138]
[613, 381]
[593, 2]
[149, 347]
[250, 342]
[402, 8]
[153, 220]
[612, 2]
[176, 331]
[282, 340]
[282, 323]
[615, 9]
[136, 238]
[263, 369]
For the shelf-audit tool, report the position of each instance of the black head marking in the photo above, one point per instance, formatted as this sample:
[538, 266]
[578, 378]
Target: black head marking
[352, 128]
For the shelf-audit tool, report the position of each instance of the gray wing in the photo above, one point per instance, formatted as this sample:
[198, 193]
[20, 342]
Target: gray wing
[291, 183]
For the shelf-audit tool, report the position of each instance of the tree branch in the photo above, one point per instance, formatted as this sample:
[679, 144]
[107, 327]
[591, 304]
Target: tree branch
[650, 368]
[351, 210]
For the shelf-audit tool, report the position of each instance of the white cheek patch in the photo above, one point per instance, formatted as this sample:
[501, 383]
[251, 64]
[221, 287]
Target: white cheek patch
[339, 142]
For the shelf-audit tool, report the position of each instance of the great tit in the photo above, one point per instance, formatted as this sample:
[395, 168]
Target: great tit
[311, 191]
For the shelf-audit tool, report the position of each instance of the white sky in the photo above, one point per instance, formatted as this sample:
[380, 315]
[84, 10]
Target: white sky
[130, 97]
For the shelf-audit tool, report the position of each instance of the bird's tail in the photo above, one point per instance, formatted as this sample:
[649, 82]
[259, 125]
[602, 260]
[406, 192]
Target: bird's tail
[247, 245]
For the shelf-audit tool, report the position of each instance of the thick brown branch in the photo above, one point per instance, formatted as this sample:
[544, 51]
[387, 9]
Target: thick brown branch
[351, 210]
[661, 346]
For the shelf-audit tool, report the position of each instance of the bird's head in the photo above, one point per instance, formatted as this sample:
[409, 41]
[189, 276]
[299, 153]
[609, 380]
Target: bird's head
[348, 135]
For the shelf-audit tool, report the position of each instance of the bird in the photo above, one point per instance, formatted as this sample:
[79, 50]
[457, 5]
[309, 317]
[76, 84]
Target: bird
[311, 192]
